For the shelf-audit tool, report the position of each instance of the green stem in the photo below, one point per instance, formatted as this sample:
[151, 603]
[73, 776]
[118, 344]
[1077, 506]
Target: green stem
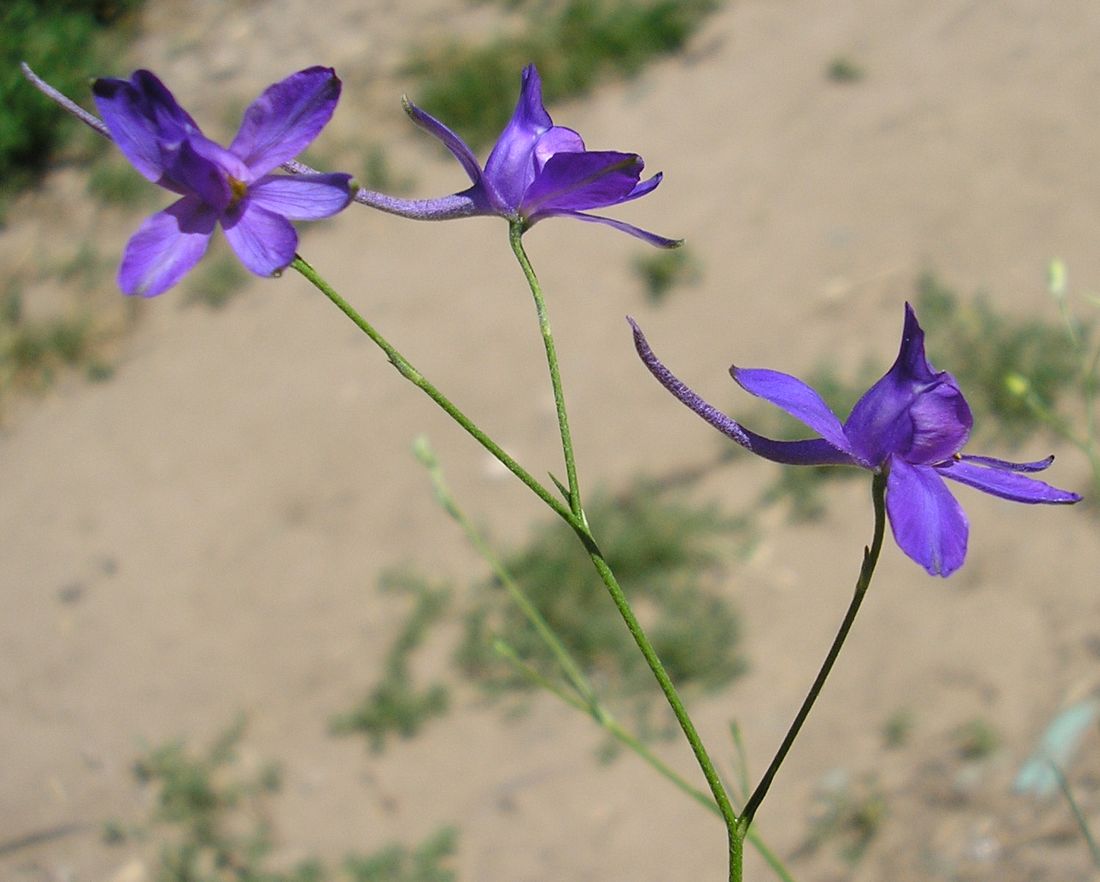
[515, 237]
[569, 666]
[870, 559]
[405, 368]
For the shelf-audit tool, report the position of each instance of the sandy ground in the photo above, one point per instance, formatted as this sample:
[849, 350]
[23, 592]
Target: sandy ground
[201, 535]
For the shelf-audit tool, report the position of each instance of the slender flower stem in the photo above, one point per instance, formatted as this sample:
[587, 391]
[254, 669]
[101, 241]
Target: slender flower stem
[867, 570]
[417, 379]
[515, 237]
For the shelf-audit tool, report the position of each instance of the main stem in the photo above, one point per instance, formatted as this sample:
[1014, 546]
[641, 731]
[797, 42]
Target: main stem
[515, 237]
[580, 526]
[870, 559]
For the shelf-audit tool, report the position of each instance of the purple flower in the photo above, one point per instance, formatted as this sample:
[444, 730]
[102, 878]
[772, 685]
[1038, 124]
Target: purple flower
[536, 170]
[228, 185]
[911, 425]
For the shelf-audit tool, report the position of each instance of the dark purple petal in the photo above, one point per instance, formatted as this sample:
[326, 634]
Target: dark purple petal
[302, 197]
[928, 523]
[1004, 483]
[450, 140]
[286, 118]
[1037, 466]
[912, 411]
[816, 451]
[629, 229]
[510, 168]
[191, 173]
[165, 247]
[142, 115]
[796, 398]
[580, 181]
[264, 241]
[643, 187]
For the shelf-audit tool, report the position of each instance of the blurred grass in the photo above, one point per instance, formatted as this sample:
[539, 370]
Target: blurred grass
[575, 44]
[49, 35]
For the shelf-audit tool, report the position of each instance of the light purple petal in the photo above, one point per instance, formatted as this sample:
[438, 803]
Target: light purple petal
[165, 247]
[629, 229]
[510, 168]
[265, 242]
[1005, 483]
[302, 197]
[912, 411]
[928, 523]
[1037, 466]
[286, 118]
[815, 451]
[142, 115]
[580, 181]
[450, 140]
[556, 139]
[796, 398]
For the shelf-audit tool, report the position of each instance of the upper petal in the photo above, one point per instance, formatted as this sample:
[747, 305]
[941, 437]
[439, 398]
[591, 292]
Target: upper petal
[556, 139]
[929, 524]
[286, 118]
[796, 398]
[815, 451]
[302, 197]
[913, 411]
[579, 181]
[141, 115]
[264, 241]
[1006, 483]
[166, 247]
[451, 141]
[510, 168]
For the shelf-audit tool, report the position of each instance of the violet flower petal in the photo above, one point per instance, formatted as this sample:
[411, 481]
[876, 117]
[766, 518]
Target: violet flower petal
[1005, 483]
[556, 139]
[141, 115]
[510, 167]
[286, 118]
[165, 247]
[448, 138]
[264, 241]
[579, 181]
[814, 451]
[929, 524]
[303, 197]
[1037, 466]
[197, 175]
[622, 226]
[796, 398]
[643, 187]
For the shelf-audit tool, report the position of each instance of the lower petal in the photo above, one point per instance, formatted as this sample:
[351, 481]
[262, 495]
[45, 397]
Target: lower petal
[1004, 481]
[302, 197]
[629, 229]
[166, 247]
[264, 241]
[929, 524]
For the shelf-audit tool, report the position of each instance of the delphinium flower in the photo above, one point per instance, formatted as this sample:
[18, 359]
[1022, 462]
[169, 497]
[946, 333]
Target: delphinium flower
[910, 425]
[536, 170]
[231, 186]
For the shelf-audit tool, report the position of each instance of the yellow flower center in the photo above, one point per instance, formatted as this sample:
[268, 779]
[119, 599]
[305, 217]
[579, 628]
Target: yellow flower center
[238, 188]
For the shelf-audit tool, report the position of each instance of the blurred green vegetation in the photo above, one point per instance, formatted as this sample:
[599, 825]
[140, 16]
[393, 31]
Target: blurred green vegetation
[661, 272]
[574, 43]
[395, 706]
[213, 822]
[668, 555]
[49, 35]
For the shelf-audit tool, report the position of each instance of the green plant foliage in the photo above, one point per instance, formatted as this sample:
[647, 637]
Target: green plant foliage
[217, 280]
[848, 814]
[662, 271]
[397, 863]
[395, 706]
[990, 353]
[48, 35]
[664, 554]
[844, 69]
[213, 825]
[31, 352]
[574, 43]
[976, 740]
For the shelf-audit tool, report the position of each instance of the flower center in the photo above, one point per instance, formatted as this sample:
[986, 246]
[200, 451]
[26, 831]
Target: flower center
[238, 188]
